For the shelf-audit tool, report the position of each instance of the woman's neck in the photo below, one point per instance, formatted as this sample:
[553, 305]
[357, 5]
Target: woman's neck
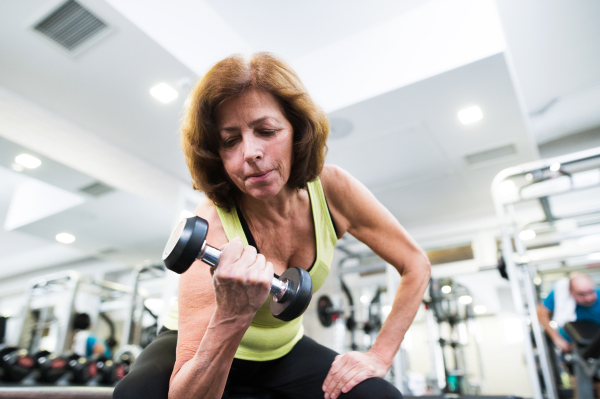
[279, 207]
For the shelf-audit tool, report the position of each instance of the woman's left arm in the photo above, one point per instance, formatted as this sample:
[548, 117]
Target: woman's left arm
[356, 210]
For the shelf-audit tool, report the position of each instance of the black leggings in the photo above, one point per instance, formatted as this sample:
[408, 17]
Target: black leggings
[299, 374]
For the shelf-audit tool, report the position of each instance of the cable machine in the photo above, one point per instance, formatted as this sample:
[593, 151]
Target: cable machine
[541, 184]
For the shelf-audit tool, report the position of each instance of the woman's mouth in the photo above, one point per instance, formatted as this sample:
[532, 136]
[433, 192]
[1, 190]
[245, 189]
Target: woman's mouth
[259, 176]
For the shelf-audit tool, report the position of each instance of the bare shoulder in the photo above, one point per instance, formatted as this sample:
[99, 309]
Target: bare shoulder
[354, 204]
[207, 210]
[337, 184]
[335, 181]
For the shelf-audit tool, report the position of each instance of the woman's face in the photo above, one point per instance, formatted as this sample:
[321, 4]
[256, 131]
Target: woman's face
[256, 143]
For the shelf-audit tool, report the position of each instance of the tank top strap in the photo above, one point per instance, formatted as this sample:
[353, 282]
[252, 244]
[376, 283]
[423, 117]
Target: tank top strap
[231, 224]
[324, 226]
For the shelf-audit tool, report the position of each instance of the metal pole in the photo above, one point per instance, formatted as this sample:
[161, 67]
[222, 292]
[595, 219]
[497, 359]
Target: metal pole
[66, 332]
[514, 279]
[538, 332]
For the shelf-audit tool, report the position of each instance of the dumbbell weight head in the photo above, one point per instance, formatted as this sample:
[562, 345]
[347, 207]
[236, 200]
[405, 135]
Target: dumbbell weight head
[290, 295]
[185, 244]
[326, 312]
[51, 366]
[128, 354]
[300, 284]
[82, 369]
[15, 363]
[110, 371]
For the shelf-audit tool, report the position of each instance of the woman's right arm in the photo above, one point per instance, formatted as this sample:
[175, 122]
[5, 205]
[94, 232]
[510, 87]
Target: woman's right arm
[214, 313]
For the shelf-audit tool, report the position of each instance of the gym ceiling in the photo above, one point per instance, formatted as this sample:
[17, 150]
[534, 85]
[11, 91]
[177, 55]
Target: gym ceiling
[391, 75]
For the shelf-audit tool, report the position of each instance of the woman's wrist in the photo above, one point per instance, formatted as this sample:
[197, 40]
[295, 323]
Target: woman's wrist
[232, 322]
[385, 360]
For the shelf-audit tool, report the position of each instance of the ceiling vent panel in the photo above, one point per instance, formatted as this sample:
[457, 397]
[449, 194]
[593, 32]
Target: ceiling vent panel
[71, 26]
[96, 189]
[488, 156]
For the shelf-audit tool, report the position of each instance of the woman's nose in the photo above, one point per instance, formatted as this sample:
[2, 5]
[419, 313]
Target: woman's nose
[252, 149]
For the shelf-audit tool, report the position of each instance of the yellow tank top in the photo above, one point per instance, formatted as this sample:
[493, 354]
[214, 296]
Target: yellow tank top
[269, 338]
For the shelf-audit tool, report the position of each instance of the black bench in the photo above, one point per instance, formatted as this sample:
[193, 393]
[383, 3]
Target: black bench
[586, 355]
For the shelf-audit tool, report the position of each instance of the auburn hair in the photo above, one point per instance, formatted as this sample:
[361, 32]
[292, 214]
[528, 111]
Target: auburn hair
[235, 76]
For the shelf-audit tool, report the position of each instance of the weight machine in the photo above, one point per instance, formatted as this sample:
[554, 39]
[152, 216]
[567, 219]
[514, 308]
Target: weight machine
[364, 262]
[51, 306]
[536, 187]
[444, 304]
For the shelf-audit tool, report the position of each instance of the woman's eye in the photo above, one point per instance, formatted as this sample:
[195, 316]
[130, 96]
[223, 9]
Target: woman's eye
[267, 132]
[229, 142]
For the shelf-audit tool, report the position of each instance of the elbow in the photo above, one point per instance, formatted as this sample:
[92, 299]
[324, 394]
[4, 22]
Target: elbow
[418, 268]
[425, 267]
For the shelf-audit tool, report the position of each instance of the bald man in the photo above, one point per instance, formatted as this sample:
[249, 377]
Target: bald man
[584, 292]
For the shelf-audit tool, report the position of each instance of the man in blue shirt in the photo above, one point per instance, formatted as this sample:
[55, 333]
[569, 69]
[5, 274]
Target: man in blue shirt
[582, 289]
[85, 343]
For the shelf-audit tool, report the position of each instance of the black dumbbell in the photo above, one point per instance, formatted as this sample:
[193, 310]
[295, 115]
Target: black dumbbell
[82, 369]
[327, 312]
[291, 293]
[110, 372]
[15, 363]
[50, 366]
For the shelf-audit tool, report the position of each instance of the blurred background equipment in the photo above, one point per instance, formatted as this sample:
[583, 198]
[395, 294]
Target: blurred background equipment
[428, 101]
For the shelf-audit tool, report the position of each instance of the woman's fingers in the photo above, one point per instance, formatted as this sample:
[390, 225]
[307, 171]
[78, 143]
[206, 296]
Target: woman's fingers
[242, 280]
[349, 370]
[231, 252]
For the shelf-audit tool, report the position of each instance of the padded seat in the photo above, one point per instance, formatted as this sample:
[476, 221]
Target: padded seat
[585, 334]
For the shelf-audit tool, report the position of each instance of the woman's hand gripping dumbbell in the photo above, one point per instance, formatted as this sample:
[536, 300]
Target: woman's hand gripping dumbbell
[291, 293]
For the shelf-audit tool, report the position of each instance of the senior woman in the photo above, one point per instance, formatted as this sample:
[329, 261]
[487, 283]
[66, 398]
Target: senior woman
[255, 143]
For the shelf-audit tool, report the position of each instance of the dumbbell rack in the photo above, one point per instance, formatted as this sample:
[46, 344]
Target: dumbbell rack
[519, 266]
[55, 392]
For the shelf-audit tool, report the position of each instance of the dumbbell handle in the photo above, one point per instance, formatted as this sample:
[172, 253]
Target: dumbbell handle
[211, 255]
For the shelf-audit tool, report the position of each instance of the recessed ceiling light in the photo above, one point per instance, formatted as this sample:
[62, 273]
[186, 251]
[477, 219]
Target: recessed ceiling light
[555, 167]
[479, 309]
[28, 161]
[164, 93]
[527, 235]
[470, 115]
[16, 167]
[446, 289]
[529, 177]
[465, 299]
[65, 238]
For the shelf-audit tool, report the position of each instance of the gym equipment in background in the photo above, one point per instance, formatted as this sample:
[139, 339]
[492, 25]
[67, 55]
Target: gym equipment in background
[290, 294]
[82, 369]
[109, 371]
[15, 363]
[50, 366]
[548, 185]
[585, 356]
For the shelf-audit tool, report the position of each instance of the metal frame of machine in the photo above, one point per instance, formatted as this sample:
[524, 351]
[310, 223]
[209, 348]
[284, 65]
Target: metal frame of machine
[519, 266]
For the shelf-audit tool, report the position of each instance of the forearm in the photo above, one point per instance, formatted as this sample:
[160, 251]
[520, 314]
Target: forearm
[544, 318]
[205, 374]
[406, 303]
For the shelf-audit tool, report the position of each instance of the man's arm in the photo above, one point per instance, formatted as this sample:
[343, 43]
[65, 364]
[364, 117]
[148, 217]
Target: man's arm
[544, 316]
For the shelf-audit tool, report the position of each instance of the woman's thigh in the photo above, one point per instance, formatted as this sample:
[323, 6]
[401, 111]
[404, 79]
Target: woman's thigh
[149, 377]
[301, 373]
